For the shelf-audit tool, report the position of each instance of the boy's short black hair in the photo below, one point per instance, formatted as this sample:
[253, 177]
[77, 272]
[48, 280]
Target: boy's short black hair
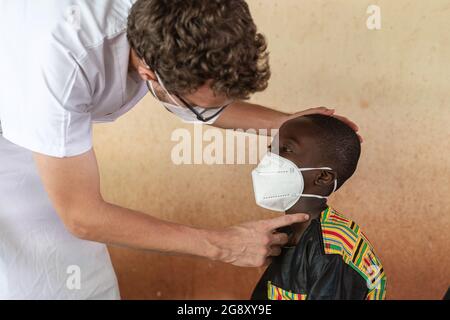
[338, 144]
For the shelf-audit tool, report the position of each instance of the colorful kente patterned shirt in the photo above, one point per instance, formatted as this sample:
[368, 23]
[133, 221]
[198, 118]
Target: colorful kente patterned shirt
[333, 260]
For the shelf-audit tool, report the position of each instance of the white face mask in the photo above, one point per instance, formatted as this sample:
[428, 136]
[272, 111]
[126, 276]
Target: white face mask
[278, 183]
[185, 114]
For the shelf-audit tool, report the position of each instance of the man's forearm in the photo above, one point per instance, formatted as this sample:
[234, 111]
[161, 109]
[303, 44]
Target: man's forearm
[73, 185]
[244, 115]
[114, 225]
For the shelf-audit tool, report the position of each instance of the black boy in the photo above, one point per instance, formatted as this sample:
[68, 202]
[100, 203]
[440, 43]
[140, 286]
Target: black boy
[329, 257]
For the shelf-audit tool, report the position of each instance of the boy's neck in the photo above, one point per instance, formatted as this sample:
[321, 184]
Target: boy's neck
[312, 206]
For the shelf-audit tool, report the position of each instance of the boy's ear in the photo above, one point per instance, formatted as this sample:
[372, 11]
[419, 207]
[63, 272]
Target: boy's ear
[325, 178]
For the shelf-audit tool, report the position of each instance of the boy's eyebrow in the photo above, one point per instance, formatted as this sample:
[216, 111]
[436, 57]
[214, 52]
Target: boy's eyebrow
[294, 140]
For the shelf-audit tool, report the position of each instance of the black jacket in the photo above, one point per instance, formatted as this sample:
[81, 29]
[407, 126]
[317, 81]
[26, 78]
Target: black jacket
[333, 260]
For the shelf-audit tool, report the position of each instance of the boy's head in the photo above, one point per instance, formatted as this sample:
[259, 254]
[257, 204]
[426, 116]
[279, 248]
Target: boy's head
[322, 143]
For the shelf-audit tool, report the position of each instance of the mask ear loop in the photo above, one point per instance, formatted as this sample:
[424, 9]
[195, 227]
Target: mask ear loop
[335, 187]
[316, 196]
[150, 86]
[149, 83]
[167, 92]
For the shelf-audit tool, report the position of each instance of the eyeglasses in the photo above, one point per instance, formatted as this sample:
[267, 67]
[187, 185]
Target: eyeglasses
[202, 114]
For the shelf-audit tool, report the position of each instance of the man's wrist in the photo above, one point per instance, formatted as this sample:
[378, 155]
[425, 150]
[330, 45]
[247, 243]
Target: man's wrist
[280, 120]
[213, 240]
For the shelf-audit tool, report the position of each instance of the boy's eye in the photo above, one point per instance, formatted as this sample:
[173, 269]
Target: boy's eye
[285, 149]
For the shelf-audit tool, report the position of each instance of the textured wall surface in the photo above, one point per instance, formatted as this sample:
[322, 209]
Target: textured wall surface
[393, 82]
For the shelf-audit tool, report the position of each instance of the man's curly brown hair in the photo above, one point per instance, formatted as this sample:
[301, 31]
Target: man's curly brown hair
[190, 42]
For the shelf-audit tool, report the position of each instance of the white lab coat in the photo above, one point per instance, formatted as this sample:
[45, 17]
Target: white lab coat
[63, 66]
[39, 259]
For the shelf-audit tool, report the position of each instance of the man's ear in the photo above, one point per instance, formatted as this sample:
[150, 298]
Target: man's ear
[146, 73]
[325, 178]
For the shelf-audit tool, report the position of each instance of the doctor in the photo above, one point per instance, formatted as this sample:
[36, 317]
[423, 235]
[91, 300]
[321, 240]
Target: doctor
[66, 64]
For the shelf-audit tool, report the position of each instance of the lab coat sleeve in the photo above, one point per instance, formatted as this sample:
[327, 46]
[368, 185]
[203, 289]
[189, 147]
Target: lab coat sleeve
[333, 279]
[51, 117]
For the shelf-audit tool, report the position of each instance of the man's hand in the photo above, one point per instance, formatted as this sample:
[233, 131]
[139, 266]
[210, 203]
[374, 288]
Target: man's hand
[324, 111]
[245, 116]
[253, 244]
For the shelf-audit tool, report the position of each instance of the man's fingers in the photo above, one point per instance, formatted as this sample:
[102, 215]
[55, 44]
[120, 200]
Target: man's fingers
[275, 251]
[361, 139]
[286, 220]
[279, 239]
[268, 262]
[318, 110]
[352, 125]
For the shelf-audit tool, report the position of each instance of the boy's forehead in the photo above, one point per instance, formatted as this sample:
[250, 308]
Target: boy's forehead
[298, 128]
[303, 133]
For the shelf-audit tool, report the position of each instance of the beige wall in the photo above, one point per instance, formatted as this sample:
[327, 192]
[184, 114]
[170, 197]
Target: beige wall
[395, 83]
